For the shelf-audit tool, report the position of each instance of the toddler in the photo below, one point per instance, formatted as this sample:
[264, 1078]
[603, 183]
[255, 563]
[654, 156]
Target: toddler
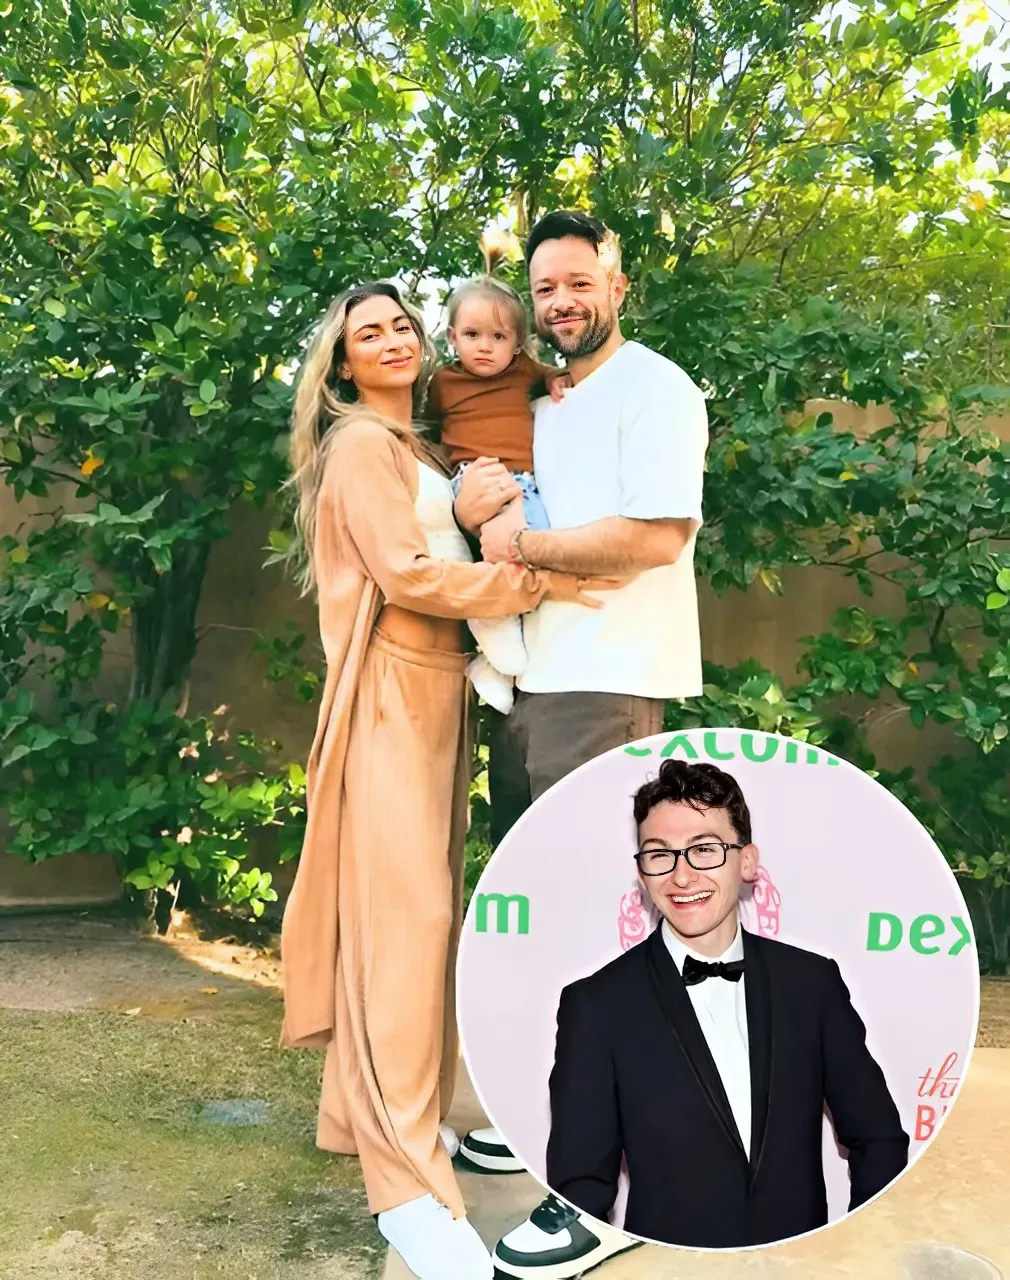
[483, 403]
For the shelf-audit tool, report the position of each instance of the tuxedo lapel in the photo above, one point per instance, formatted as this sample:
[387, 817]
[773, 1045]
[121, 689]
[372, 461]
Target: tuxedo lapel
[676, 1005]
[757, 994]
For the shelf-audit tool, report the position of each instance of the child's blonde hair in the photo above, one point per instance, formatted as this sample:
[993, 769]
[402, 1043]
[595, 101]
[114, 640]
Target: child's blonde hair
[494, 245]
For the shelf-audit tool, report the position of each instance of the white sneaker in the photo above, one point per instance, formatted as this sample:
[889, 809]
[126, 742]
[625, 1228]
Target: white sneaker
[501, 642]
[557, 1242]
[433, 1244]
[488, 1151]
[450, 1139]
[496, 690]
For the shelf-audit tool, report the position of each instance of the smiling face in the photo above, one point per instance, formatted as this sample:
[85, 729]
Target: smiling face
[382, 352]
[485, 341]
[577, 296]
[700, 906]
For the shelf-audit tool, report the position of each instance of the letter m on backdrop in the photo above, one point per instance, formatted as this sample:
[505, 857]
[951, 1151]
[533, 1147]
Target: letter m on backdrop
[503, 913]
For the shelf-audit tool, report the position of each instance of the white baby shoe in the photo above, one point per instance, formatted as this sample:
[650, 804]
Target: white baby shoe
[500, 640]
[496, 690]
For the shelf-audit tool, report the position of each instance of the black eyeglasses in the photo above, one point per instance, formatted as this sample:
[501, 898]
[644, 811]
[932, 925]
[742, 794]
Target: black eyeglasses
[704, 856]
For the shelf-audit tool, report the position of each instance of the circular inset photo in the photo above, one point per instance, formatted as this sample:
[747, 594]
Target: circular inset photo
[717, 989]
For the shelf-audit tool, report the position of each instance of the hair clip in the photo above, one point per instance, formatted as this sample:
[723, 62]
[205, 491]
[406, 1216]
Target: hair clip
[610, 250]
[498, 245]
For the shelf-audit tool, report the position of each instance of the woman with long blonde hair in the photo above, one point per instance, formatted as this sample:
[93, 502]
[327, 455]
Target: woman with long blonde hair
[370, 930]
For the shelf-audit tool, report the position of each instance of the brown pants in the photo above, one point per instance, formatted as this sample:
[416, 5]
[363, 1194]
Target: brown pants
[548, 735]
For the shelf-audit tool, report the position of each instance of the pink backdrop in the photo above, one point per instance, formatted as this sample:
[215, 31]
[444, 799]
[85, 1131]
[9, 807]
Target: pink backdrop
[843, 864]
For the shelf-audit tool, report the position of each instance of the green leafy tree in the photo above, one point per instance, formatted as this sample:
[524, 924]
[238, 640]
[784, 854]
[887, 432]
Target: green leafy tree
[809, 209]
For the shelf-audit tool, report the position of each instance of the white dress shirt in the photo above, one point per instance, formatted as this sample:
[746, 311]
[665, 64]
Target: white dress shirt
[721, 1009]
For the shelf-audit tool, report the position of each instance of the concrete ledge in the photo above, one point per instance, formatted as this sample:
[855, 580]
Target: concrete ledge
[72, 880]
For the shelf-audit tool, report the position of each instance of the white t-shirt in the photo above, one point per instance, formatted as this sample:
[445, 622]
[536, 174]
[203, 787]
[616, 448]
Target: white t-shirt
[629, 440]
[721, 1009]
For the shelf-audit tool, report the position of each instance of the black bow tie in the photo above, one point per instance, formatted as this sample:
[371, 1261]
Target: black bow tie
[698, 970]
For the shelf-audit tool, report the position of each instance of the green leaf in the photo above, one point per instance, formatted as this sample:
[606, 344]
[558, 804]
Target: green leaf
[55, 307]
[208, 390]
[996, 600]
[161, 557]
[756, 686]
[163, 333]
[488, 84]
[147, 510]
[12, 451]
[1003, 580]
[77, 23]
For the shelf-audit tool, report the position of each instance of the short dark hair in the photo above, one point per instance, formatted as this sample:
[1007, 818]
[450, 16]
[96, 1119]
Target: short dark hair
[560, 225]
[702, 786]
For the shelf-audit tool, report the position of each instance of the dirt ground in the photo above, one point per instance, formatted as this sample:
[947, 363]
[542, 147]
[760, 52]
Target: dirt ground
[75, 962]
[72, 963]
[113, 1040]
[112, 1044]
[994, 1014]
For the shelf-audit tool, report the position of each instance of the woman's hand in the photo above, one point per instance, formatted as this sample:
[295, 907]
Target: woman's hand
[496, 533]
[486, 486]
[566, 588]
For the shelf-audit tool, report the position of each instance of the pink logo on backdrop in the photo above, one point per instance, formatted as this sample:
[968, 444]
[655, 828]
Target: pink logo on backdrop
[939, 1085]
[632, 919]
[633, 916]
[767, 902]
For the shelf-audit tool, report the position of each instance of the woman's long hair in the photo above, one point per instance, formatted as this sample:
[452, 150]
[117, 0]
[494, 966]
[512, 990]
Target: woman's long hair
[324, 402]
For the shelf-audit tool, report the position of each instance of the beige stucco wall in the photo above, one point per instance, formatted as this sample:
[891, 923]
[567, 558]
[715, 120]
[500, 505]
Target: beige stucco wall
[242, 598]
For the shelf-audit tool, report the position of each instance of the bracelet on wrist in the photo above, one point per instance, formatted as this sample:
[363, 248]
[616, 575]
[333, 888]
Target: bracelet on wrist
[516, 551]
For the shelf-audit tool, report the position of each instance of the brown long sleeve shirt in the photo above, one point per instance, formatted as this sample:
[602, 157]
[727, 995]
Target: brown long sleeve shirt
[487, 417]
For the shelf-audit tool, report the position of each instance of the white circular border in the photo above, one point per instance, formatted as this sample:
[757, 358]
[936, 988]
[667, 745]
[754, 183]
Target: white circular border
[655, 745]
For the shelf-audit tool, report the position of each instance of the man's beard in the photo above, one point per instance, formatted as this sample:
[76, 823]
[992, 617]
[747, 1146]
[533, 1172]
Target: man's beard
[584, 342]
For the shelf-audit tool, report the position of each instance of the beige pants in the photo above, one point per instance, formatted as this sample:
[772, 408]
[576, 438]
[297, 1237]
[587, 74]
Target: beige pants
[390, 1068]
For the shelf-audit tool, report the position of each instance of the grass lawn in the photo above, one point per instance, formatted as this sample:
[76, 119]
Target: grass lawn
[108, 1171]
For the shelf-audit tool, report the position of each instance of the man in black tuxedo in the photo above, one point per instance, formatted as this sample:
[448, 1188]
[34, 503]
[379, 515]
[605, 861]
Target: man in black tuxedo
[706, 1055]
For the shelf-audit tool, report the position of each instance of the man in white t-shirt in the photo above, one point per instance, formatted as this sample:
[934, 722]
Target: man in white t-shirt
[619, 463]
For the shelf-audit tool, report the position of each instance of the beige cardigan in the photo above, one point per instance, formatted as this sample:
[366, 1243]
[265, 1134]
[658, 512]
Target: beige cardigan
[369, 550]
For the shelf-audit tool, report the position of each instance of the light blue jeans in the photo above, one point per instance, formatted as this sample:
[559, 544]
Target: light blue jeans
[533, 505]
